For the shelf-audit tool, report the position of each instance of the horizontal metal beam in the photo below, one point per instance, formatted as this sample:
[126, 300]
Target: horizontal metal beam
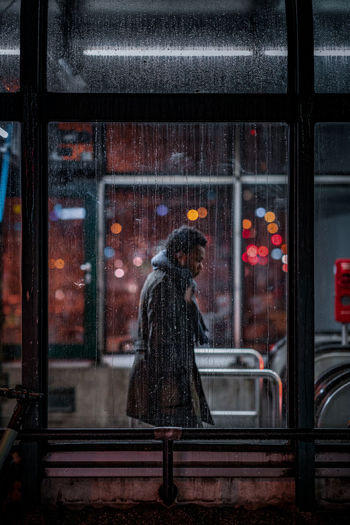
[189, 434]
[114, 107]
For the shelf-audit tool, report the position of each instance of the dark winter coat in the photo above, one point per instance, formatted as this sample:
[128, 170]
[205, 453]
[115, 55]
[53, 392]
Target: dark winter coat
[165, 387]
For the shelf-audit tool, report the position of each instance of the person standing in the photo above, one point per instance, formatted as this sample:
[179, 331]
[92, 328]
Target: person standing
[165, 388]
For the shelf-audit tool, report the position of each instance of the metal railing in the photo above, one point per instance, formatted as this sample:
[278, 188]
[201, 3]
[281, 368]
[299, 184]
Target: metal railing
[235, 352]
[251, 373]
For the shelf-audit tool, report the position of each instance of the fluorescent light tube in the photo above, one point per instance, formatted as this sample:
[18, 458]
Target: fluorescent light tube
[155, 52]
[9, 52]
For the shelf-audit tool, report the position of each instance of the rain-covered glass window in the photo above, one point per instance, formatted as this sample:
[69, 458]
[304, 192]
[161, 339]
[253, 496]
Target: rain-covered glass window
[214, 327]
[164, 46]
[10, 262]
[332, 275]
[332, 46]
[9, 45]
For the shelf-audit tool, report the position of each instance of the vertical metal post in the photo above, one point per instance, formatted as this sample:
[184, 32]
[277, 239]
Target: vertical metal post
[301, 235]
[34, 229]
[237, 243]
[344, 334]
[168, 490]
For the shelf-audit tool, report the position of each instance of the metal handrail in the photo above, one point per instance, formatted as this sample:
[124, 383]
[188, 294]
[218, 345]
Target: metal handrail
[238, 352]
[263, 374]
[328, 355]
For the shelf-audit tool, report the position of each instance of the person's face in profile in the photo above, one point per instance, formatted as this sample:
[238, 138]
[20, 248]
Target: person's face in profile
[192, 260]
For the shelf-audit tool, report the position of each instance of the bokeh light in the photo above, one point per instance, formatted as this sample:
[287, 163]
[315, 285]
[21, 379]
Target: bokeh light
[246, 224]
[276, 254]
[245, 257]
[247, 195]
[119, 273]
[118, 263]
[270, 216]
[253, 260]
[285, 259]
[272, 227]
[192, 215]
[52, 264]
[263, 261]
[162, 210]
[109, 252]
[59, 264]
[59, 295]
[17, 209]
[285, 268]
[260, 212]
[116, 228]
[137, 261]
[202, 212]
[252, 250]
[263, 251]
[276, 239]
[284, 248]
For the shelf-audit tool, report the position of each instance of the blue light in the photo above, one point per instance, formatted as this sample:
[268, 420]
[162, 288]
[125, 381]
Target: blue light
[53, 215]
[162, 210]
[260, 212]
[109, 252]
[276, 254]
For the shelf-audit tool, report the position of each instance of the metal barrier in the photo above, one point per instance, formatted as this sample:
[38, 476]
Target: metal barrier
[236, 352]
[321, 360]
[251, 373]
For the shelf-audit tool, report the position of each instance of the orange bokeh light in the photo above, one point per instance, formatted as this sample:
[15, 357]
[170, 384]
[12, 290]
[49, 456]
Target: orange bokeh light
[246, 224]
[284, 248]
[192, 215]
[202, 212]
[272, 227]
[116, 228]
[59, 264]
[263, 251]
[270, 216]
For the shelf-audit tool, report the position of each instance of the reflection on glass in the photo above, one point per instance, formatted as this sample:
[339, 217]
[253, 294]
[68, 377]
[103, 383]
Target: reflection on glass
[332, 46]
[163, 46]
[9, 45]
[332, 275]
[10, 262]
[109, 217]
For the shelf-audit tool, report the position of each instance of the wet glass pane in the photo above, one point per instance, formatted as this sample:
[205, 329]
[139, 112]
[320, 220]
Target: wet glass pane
[10, 263]
[332, 275]
[116, 192]
[122, 46]
[9, 45]
[332, 46]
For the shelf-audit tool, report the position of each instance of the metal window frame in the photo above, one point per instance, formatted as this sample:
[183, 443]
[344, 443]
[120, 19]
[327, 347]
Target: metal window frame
[300, 107]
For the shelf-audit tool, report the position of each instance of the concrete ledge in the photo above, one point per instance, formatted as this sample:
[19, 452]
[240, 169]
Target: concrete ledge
[250, 493]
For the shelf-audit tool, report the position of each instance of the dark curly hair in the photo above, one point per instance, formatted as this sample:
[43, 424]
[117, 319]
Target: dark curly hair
[183, 239]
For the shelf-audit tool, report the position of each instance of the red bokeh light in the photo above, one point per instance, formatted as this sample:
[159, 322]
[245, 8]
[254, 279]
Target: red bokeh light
[263, 251]
[253, 260]
[245, 257]
[263, 261]
[246, 234]
[252, 250]
[276, 239]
